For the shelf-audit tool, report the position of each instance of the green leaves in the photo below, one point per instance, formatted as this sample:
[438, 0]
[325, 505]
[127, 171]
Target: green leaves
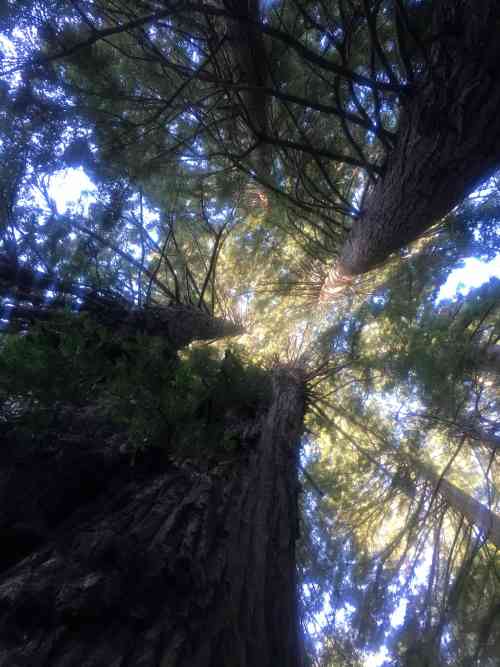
[192, 405]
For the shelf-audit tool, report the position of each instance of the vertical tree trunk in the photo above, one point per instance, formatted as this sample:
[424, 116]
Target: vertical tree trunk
[190, 566]
[448, 138]
[250, 57]
[475, 512]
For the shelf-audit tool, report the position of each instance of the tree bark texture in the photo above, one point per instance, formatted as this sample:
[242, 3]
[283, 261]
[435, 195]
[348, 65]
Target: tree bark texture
[43, 482]
[188, 564]
[448, 137]
[474, 512]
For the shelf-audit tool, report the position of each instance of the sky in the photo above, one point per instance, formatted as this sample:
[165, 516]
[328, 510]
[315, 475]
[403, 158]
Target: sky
[70, 187]
[473, 274]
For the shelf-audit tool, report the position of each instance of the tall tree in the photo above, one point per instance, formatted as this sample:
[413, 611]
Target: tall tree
[187, 564]
[248, 158]
[405, 82]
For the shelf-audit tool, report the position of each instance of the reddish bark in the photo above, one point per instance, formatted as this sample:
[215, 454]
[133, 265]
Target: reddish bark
[448, 139]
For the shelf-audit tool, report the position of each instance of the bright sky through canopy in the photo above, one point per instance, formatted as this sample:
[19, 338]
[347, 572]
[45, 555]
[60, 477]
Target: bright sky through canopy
[473, 274]
[71, 186]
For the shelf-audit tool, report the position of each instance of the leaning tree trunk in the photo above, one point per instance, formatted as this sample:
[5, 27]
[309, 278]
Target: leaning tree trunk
[193, 565]
[180, 324]
[448, 139]
[474, 512]
[24, 304]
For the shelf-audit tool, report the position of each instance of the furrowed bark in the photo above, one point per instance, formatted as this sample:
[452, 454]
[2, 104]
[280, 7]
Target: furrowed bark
[188, 565]
[448, 139]
[61, 468]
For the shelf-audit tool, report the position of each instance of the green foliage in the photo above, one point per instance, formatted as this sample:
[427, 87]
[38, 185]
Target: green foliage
[172, 151]
[189, 405]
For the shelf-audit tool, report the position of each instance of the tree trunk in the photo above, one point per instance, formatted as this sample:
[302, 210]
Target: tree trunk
[249, 54]
[47, 476]
[180, 324]
[187, 565]
[475, 512]
[448, 138]
[25, 304]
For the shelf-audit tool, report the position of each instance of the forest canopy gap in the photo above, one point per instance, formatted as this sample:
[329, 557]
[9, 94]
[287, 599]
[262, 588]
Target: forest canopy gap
[241, 426]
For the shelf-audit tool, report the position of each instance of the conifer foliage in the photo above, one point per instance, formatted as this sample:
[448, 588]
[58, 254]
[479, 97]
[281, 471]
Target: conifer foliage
[241, 425]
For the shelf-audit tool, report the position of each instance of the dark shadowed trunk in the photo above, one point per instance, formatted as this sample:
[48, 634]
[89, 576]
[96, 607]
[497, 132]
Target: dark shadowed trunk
[448, 138]
[46, 476]
[250, 57]
[180, 324]
[24, 291]
[178, 564]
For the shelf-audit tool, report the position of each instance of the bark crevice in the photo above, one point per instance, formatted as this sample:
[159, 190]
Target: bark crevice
[177, 563]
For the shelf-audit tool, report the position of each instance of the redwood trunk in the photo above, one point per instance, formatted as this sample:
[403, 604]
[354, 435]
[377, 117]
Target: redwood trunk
[475, 512]
[179, 323]
[250, 58]
[190, 565]
[448, 139]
